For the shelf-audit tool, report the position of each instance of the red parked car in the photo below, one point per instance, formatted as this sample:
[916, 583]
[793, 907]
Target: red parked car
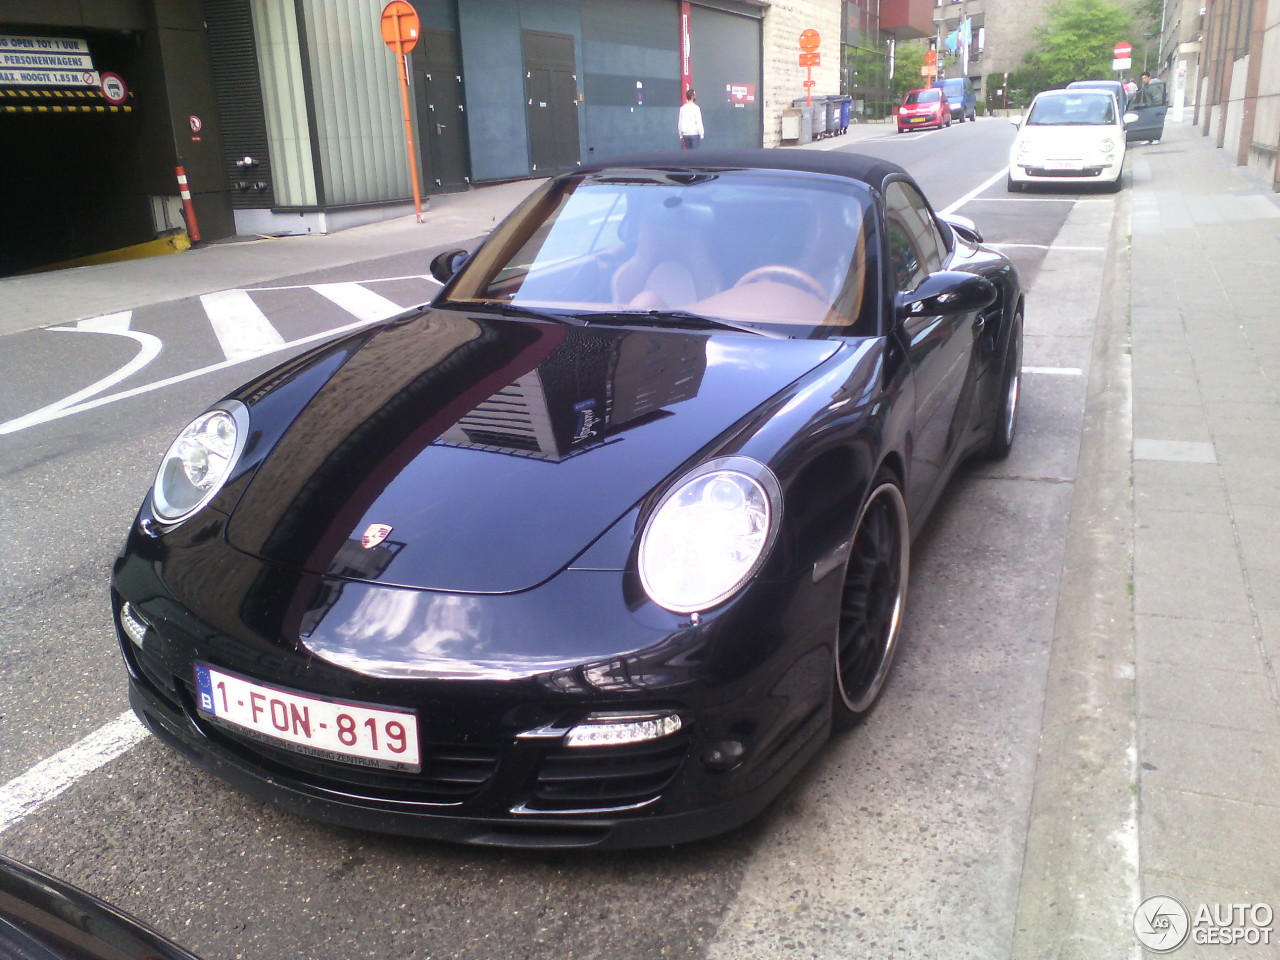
[924, 108]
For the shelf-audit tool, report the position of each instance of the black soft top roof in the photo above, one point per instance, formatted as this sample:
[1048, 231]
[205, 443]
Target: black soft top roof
[853, 166]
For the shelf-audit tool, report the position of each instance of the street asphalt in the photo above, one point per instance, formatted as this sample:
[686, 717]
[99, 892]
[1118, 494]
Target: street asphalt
[1160, 740]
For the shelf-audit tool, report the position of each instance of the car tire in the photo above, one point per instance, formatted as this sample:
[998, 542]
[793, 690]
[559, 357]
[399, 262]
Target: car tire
[1005, 426]
[1012, 185]
[873, 600]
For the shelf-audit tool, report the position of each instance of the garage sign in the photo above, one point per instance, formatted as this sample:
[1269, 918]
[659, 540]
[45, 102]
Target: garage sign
[46, 62]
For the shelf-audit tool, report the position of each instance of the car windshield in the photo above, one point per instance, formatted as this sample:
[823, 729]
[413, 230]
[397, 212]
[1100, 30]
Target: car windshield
[923, 96]
[1073, 109]
[761, 248]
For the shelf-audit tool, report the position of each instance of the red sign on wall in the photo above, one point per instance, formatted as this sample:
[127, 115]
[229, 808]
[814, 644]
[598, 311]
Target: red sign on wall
[740, 94]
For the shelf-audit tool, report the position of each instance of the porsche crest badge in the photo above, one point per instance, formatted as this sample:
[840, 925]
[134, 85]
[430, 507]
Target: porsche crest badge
[374, 534]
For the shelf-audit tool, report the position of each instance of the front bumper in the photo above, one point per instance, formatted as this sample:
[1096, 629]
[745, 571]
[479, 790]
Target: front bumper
[490, 772]
[1022, 171]
[920, 122]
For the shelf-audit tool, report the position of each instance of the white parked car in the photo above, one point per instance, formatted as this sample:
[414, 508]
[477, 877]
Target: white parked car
[1069, 136]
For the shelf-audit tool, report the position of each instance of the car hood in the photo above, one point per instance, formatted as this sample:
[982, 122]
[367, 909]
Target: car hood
[476, 455]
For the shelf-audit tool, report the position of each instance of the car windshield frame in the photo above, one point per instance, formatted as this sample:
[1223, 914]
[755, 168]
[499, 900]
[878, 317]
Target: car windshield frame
[752, 247]
[1057, 109]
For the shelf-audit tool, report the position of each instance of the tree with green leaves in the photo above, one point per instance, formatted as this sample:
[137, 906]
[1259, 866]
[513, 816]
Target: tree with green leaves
[1076, 43]
[908, 59]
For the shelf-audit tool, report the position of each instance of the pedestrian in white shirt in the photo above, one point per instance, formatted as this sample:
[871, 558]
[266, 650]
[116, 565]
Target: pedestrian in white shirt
[691, 132]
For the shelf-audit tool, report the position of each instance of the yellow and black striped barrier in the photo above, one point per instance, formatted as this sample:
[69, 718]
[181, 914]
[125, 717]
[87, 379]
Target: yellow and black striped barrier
[31, 100]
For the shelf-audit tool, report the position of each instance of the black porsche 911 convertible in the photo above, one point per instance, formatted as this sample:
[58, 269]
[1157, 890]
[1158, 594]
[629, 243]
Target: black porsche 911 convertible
[598, 547]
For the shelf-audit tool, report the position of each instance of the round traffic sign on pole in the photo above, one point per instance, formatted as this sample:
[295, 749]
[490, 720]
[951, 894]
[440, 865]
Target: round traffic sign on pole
[400, 26]
[810, 40]
[1123, 50]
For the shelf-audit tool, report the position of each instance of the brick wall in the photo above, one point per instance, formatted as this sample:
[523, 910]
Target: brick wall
[783, 76]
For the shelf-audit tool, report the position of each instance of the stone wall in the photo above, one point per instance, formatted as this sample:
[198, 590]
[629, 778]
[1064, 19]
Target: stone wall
[782, 75]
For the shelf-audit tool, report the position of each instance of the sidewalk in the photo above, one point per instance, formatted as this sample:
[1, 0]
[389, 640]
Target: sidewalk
[65, 296]
[1205, 334]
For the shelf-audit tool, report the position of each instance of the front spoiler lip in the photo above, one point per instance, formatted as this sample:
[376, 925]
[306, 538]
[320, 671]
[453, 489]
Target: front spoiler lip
[547, 831]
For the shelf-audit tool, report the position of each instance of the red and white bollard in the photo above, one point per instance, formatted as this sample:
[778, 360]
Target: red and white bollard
[188, 208]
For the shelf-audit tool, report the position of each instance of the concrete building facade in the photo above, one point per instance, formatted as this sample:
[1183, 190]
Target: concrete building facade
[1238, 101]
[1177, 58]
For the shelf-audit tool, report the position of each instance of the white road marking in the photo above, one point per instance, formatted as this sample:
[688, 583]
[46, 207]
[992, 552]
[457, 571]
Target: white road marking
[242, 329]
[358, 300]
[309, 286]
[1055, 371]
[180, 378]
[30, 791]
[107, 323]
[973, 193]
[1044, 246]
[1029, 199]
[115, 324]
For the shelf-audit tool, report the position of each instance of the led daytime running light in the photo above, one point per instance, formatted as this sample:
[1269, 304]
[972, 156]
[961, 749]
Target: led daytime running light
[134, 627]
[607, 730]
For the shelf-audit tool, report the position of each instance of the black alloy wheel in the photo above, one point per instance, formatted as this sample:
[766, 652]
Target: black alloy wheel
[873, 600]
[1006, 413]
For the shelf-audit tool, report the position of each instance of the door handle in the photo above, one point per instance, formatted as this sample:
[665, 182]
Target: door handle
[439, 129]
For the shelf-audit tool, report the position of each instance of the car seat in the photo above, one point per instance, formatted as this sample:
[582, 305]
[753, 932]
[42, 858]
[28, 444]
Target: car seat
[670, 265]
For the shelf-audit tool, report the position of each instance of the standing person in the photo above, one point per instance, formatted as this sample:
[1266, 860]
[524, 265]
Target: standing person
[691, 132]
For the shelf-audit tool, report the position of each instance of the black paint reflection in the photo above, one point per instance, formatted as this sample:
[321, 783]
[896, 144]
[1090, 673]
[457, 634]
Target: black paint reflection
[587, 391]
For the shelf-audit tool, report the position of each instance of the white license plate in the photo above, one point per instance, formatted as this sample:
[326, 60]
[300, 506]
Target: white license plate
[348, 732]
[1064, 165]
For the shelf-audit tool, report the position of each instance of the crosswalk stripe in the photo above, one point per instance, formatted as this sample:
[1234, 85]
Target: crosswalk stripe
[358, 300]
[242, 329]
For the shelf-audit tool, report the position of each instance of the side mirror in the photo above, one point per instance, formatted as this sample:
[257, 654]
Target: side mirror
[949, 292]
[1131, 118]
[444, 266]
[966, 228]
[1016, 120]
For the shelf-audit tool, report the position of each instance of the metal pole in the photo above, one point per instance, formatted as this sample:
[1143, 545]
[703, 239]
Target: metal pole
[408, 134]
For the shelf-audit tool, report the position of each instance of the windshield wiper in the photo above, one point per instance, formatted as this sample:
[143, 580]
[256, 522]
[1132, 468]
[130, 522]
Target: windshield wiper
[674, 318]
[508, 309]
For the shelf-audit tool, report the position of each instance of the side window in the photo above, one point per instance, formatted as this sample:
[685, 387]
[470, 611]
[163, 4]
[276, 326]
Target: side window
[915, 245]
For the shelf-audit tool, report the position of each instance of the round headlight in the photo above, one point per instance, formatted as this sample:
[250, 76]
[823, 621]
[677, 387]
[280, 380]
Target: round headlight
[1106, 145]
[709, 534]
[1025, 146]
[198, 463]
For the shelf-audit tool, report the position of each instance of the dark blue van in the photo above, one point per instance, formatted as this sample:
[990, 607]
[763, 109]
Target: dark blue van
[959, 93]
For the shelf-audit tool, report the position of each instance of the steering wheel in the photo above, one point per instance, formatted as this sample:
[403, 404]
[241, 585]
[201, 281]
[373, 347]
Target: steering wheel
[792, 275]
